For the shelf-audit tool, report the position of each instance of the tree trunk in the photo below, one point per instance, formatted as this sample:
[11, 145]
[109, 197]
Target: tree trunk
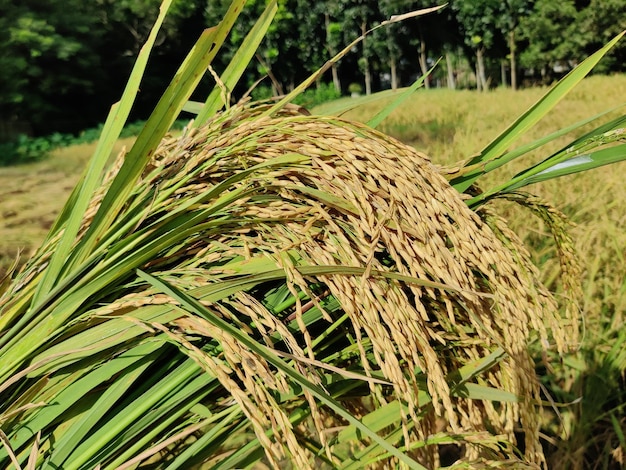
[333, 68]
[503, 73]
[481, 79]
[368, 78]
[336, 80]
[513, 61]
[366, 63]
[277, 88]
[423, 60]
[450, 67]
[393, 66]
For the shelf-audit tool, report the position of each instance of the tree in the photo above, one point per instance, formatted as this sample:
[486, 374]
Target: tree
[64, 62]
[356, 17]
[46, 59]
[392, 49]
[509, 16]
[437, 33]
[478, 24]
[292, 48]
[136, 17]
[312, 21]
[542, 34]
[333, 33]
[396, 35]
[600, 21]
[451, 44]
[126, 25]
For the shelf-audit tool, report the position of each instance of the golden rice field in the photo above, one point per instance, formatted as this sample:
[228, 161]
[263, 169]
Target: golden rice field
[447, 126]
[31, 196]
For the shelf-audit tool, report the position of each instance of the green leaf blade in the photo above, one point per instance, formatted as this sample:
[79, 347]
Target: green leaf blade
[237, 66]
[110, 133]
[577, 164]
[387, 110]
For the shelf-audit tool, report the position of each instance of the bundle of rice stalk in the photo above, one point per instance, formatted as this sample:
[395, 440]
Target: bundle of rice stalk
[281, 288]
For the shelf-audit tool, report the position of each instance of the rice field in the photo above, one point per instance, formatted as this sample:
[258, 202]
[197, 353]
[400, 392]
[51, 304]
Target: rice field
[32, 195]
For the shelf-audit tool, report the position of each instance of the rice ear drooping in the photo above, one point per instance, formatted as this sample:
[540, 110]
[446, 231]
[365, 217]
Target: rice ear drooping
[335, 248]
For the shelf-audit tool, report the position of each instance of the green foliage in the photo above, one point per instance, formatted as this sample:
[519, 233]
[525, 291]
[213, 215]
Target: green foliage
[64, 62]
[322, 93]
[544, 30]
[38, 37]
[64, 59]
[478, 21]
[31, 149]
[137, 18]
[599, 22]
[25, 150]
[355, 88]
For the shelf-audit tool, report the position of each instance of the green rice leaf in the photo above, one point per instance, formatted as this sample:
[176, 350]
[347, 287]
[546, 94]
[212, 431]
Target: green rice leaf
[524, 149]
[122, 258]
[220, 290]
[326, 198]
[104, 336]
[483, 392]
[103, 439]
[69, 442]
[76, 205]
[475, 368]
[367, 457]
[159, 122]
[342, 106]
[218, 427]
[382, 417]
[78, 388]
[193, 107]
[164, 416]
[576, 157]
[617, 427]
[576, 164]
[372, 454]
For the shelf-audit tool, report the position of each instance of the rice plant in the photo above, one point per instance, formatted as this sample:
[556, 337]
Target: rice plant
[275, 288]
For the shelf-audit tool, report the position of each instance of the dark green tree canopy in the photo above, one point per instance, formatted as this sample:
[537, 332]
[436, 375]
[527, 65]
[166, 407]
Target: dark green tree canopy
[64, 62]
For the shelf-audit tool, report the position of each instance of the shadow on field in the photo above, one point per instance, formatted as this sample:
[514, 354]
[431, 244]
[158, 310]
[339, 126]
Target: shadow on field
[593, 425]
